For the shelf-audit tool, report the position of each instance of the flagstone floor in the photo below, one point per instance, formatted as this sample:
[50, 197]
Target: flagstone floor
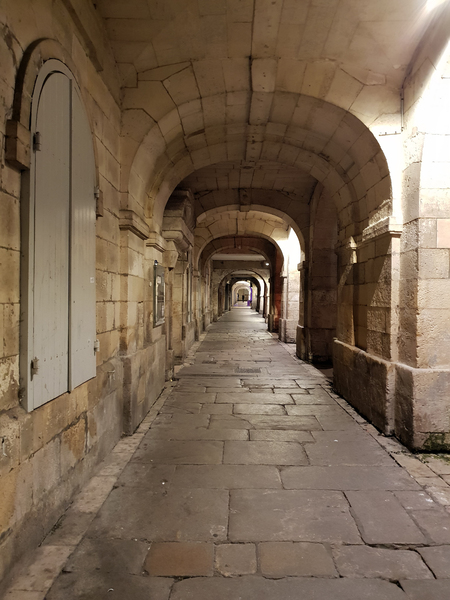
[250, 479]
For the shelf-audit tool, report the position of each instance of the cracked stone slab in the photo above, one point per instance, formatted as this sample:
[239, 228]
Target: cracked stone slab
[427, 590]
[435, 523]
[438, 559]
[291, 515]
[373, 563]
[383, 520]
[295, 588]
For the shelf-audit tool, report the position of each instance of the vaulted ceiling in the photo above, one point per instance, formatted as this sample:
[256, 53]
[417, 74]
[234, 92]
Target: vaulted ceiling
[232, 97]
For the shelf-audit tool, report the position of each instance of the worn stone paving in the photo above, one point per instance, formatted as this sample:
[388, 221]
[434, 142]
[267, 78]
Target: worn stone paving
[251, 479]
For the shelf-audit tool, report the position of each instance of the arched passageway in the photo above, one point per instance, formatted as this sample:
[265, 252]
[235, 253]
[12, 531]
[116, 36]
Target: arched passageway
[156, 153]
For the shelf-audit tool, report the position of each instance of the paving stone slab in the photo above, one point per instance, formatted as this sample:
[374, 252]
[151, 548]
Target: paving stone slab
[180, 397]
[183, 409]
[108, 555]
[174, 514]
[419, 500]
[146, 475]
[373, 563]
[279, 435]
[435, 523]
[298, 588]
[313, 398]
[382, 519]
[337, 448]
[99, 585]
[186, 452]
[180, 559]
[427, 590]
[181, 420]
[264, 453]
[223, 390]
[438, 559]
[216, 409]
[347, 478]
[287, 515]
[274, 382]
[229, 422]
[297, 559]
[236, 559]
[226, 477]
[307, 423]
[257, 409]
[184, 433]
[254, 398]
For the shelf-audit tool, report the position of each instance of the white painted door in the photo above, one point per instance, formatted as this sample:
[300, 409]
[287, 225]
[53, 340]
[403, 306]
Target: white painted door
[82, 285]
[51, 240]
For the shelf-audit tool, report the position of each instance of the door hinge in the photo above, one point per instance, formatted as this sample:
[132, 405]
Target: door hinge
[34, 367]
[37, 141]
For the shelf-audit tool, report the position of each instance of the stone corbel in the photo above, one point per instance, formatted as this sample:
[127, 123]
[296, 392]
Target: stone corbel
[18, 145]
[386, 227]
[131, 221]
[347, 252]
[170, 255]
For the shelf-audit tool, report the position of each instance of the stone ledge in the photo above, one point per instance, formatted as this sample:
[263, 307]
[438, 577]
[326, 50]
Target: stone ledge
[130, 221]
[387, 226]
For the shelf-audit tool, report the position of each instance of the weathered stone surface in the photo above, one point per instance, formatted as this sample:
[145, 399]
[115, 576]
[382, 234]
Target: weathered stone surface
[258, 409]
[373, 563]
[179, 559]
[438, 559]
[278, 435]
[108, 555]
[307, 423]
[215, 433]
[176, 515]
[347, 478]
[180, 452]
[290, 516]
[225, 476]
[415, 500]
[264, 453]
[288, 589]
[255, 398]
[434, 523]
[382, 520]
[427, 590]
[236, 559]
[343, 448]
[102, 585]
[297, 559]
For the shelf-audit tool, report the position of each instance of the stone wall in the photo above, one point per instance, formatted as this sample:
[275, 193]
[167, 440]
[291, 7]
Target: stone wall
[48, 454]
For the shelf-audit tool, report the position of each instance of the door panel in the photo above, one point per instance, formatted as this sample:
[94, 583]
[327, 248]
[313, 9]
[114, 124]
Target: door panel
[51, 227]
[82, 287]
